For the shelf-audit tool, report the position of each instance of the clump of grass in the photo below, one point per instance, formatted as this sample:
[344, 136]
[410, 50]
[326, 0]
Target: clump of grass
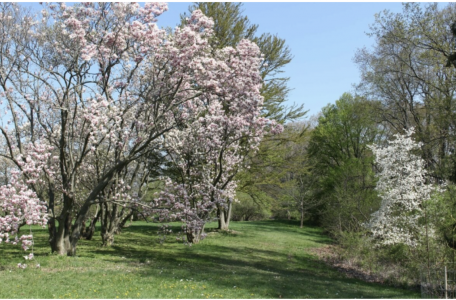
[264, 259]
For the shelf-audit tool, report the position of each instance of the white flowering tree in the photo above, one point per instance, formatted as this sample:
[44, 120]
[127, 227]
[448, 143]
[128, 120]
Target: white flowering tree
[403, 187]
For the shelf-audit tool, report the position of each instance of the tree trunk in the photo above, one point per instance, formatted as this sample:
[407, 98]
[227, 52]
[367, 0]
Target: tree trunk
[194, 236]
[122, 223]
[302, 214]
[112, 221]
[52, 234]
[90, 230]
[83, 229]
[51, 222]
[107, 238]
[61, 244]
[107, 228]
[224, 217]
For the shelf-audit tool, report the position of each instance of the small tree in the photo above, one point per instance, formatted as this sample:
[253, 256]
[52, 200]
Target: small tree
[403, 187]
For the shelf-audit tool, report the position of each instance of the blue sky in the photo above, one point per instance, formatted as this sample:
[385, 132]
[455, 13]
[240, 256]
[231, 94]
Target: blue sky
[323, 38]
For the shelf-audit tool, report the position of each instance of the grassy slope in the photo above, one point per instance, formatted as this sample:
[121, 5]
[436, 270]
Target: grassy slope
[266, 259]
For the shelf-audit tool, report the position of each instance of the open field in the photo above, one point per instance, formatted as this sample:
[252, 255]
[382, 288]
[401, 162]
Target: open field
[267, 259]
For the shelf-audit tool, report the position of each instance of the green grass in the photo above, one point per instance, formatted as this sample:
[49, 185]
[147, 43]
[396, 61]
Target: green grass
[267, 259]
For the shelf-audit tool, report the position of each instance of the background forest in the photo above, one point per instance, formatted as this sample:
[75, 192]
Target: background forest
[323, 170]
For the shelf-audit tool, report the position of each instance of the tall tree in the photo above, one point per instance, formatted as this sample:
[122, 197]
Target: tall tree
[295, 193]
[404, 187]
[342, 162]
[230, 26]
[406, 73]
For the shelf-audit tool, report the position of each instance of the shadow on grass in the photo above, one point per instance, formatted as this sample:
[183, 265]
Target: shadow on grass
[265, 259]
[237, 264]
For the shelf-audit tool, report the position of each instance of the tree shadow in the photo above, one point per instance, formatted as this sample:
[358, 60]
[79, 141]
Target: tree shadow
[230, 260]
[264, 273]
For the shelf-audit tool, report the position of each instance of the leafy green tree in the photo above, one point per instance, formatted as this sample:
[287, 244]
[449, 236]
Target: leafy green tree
[405, 72]
[343, 164]
[230, 27]
[297, 180]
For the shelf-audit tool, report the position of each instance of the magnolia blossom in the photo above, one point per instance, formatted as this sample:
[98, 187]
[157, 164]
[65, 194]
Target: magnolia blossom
[21, 266]
[29, 257]
[403, 186]
[104, 91]
[210, 150]
[20, 206]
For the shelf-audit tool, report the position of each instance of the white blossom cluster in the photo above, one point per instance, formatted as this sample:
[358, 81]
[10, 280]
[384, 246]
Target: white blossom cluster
[403, 187]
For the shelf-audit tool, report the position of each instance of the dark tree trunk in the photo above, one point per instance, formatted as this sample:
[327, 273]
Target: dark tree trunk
[66, 237]
[83, 229]
[79, 222]
[107, 237]
[194, 236]
[51, 222]
[52, 234]
[88, 231]
[61, 243]
[122, 223]
[112, 220]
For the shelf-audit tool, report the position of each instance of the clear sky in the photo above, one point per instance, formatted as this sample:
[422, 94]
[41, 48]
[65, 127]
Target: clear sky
[323, 38]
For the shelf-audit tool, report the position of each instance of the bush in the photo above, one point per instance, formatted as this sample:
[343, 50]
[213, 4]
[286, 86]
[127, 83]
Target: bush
[397, 264]
[285, 213]
[247, 210]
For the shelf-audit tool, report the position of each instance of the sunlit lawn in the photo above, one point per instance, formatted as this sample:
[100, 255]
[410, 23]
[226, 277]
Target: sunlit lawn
[267, 259]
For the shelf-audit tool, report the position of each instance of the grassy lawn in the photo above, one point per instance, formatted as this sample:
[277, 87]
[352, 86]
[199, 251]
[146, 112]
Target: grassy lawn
[267, 259]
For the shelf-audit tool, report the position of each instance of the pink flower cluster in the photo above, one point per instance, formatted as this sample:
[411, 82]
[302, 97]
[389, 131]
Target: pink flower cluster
[104, 91]
[20, 206]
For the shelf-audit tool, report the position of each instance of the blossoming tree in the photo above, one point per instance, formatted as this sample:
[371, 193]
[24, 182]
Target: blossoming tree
[90, 91]
[403, 186]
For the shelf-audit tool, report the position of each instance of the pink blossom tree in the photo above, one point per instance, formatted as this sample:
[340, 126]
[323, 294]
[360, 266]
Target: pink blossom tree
[89, 91]
[209, 151]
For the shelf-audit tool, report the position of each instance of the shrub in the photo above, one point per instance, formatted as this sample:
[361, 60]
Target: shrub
[247, 210]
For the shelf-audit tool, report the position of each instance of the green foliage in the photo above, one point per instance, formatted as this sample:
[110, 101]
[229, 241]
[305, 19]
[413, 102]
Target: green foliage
[248, 210]
[297, 197]
[405, 72]
[397, 264]
[342, 163]
[260, 180]
[401, 264]
[390, 264]
[266, 259]
[441, 215]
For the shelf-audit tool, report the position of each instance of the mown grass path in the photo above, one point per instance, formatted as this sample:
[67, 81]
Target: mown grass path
[267, 259]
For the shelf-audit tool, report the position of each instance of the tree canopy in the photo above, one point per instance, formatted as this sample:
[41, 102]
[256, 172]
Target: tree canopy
[92, 92]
